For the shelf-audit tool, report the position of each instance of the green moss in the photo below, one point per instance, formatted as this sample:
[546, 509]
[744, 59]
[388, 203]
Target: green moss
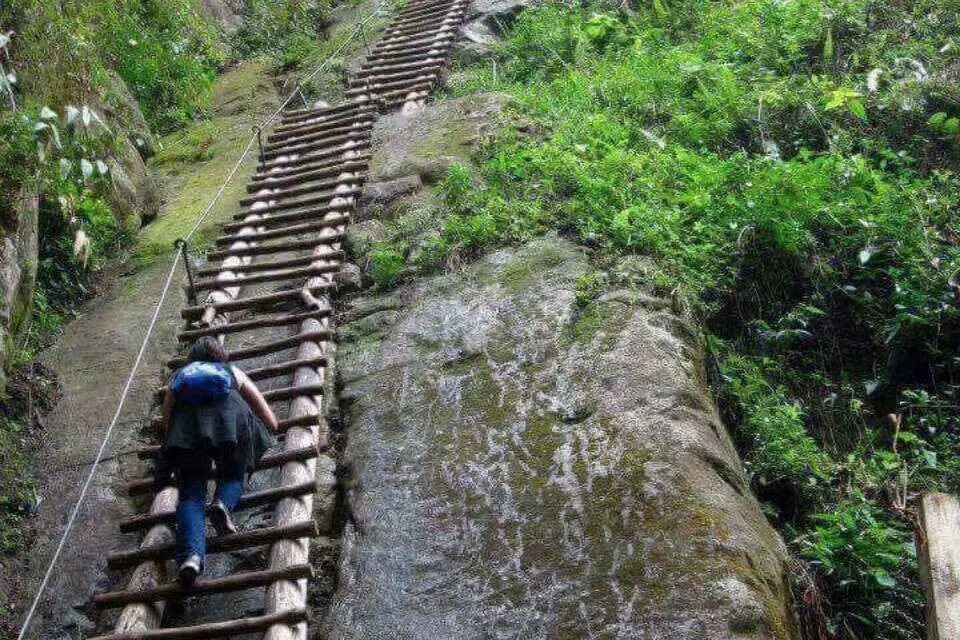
[242, 96]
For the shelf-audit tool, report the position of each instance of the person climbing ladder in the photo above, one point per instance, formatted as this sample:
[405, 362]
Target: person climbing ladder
[213, 419]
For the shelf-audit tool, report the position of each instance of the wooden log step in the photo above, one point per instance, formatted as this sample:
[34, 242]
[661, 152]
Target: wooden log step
[331, 133]
[286, 231]
[286, 274]
[301, 159]
[284, 368]
[256, 267]
[400, 95]
[409, 55]
[319, 188]
[406, 45]
[320, 142]
[280, 247]
[150, 453]
[299, 177]
[323, 199]
[419, 6]
[413, 9]
[316, 211]
[216, 544]
[312, 115]
[304, 188]
[416, 17]
[281, 219]
[411, 13]
[330, 162]
[376, 71]
[426, 21]
[422, 15]
[405, 42]
[315, 112]
[143, 486]
[288, 393]
[364, 118]
[215, 629]
[360, 110]
[375, 88]
[174, 591]
[391, 77]
[264, 348]
[436, 23]
[305, 421]
[332, 166]
[253, 302]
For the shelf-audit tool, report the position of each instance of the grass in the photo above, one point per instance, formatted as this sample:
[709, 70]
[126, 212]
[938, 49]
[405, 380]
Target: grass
[195, 162]
[789, 165]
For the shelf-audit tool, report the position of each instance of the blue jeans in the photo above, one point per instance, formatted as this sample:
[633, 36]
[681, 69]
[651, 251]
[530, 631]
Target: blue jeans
[192, 506]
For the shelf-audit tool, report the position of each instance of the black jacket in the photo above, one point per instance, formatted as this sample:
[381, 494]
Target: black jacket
[199, 432]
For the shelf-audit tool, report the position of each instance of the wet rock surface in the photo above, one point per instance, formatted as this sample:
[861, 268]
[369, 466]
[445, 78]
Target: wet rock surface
[521, 467]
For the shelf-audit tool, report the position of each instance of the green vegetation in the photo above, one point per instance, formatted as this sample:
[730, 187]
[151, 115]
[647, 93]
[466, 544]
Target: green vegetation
[287, 32]
[18, 499]
[789, 165]
[164, 51]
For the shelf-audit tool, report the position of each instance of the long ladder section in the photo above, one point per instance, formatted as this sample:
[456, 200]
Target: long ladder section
[274, 267]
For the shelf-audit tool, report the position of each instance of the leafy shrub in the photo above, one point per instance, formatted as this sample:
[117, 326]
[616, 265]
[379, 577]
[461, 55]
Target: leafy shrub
[789, 165]
[286, 31]
[386, 265]
[163, 49]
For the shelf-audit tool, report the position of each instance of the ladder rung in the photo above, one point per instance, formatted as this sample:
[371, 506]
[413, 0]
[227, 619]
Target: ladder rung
[333, 169]
[189, 313]
[288, 393]
[280, 247]
[281, 368]
[286, 274]
[217, 544]
[247, 501]
[250, 325]
[214, 629]
[299, 190]
[305, 202]
[282, 232]
[273, 266]
[309, 158]
[322, 143]
[267, 347]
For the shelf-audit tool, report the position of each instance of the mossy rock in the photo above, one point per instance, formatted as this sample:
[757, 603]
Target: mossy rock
[545, 463]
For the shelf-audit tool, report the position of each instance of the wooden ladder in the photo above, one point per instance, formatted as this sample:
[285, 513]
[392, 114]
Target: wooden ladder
[288, 236]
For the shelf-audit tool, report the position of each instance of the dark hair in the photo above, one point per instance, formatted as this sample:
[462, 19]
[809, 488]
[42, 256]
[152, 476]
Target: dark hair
[207, 349]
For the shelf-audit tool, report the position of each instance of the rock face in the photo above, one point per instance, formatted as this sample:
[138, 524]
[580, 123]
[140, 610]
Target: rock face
[486, 21]
[226, 12]
[135, 198]
[520, 467]
[18, 269]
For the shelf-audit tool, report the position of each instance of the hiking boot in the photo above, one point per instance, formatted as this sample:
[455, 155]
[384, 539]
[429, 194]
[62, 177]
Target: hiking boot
[190, 569]
[221, 519]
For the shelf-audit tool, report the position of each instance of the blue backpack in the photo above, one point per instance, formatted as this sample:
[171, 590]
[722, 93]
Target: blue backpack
[202, 382]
